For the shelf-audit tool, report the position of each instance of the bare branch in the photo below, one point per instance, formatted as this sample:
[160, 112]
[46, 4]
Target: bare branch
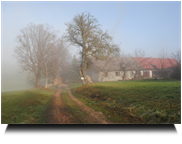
[84, 32]
[33, 46]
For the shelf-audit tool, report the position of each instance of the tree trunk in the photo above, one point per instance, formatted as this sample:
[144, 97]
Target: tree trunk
[84, 66]
[124, 76]
[80, 70]
[84, 75]
[46, 81]
[38, 80]
[102, 77]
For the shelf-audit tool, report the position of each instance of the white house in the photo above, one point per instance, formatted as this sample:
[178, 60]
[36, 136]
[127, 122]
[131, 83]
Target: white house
[113, 69]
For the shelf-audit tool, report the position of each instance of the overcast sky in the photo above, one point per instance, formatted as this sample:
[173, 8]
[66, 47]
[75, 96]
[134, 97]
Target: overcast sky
[150, 26]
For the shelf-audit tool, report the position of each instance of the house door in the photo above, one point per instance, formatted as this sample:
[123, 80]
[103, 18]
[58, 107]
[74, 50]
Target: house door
[146, 73]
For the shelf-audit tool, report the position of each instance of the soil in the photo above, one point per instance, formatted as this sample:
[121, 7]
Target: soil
[60, 112]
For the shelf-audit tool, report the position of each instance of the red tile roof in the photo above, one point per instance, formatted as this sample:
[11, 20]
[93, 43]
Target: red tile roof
[155, 63]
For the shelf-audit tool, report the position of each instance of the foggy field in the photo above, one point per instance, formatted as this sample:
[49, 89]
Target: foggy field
[145, 101]
[25, 107]
[13, 86]
[13, 80]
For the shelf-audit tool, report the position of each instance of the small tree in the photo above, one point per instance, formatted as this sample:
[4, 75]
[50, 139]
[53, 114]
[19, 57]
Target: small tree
[125, 63]
[176, 56]
[176, 66]
[64, 61]
[74, 70]
[162, 63]
[51, 61]
[141, 61]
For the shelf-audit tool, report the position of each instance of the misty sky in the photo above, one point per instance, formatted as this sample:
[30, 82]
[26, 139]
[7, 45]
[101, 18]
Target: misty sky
[150, 26]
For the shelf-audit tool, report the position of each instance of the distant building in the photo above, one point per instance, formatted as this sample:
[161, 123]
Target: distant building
[113, 69]
[110, 70]
[156, 67]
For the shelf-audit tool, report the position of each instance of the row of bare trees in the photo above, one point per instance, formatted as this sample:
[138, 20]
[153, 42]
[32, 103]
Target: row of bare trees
[40, 52]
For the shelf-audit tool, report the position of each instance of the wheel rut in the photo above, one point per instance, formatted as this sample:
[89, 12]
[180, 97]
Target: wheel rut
[65, 108]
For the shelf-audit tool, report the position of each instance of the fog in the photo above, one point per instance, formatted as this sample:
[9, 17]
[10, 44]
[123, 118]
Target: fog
[12, 78]
[131, 24]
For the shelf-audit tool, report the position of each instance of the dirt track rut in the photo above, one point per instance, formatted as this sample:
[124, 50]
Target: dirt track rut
[61, 111]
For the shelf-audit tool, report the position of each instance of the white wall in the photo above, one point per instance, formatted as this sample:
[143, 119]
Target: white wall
[113, 77]
[141, 72]
[150, 74]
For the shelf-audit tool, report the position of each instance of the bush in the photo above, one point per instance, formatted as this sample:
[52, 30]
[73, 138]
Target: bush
[176, 72]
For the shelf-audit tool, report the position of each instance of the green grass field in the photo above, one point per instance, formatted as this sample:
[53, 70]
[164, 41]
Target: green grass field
[26, 106]
[145, 101]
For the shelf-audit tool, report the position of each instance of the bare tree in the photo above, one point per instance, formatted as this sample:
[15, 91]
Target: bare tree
[125, 63]
[64, 60]
[176, 65]
[176, 56]
[74, 70]
[141, 60]
[56, 62]
[84, 31]
[31, 78]
[33, 44]
[51, 61]
[162, 62]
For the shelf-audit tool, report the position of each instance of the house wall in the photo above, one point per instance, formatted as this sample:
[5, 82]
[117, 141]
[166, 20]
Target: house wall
[100, 76]
[113, 77]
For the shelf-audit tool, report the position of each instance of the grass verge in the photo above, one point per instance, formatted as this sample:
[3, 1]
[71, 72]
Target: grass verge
[26, 106]
[144, 101]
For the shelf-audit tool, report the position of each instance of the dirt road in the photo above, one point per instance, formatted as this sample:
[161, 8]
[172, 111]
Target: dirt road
[64, 108]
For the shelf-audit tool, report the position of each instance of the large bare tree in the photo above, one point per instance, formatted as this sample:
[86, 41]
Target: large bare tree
[34, 43]
[84, 32]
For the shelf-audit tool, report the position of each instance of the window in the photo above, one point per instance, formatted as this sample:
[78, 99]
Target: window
[106, 74]
[117, 73]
